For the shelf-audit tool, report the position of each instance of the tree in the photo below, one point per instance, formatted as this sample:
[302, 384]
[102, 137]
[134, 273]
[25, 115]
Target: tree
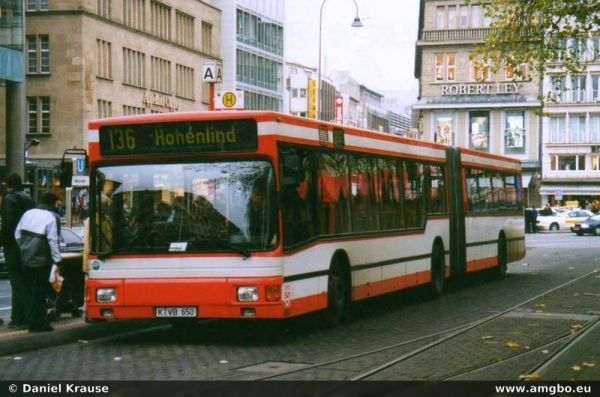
[547, 35]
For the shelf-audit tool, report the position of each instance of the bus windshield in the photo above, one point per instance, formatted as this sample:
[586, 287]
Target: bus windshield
[185, 207]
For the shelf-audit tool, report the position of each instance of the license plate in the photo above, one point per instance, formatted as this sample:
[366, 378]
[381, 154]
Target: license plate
[176, 312]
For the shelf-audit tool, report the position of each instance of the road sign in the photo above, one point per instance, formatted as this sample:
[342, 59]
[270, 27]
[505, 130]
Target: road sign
[80, 166]
[558, 194]
[229, 100]
[212, 72]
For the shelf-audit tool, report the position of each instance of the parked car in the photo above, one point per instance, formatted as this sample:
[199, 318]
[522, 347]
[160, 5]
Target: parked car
[70, 241]
[562, 220]
[589, 226]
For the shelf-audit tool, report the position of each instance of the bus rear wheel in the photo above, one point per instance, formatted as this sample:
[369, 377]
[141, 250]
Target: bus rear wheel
[338, 296]
[502, 266]
[438, 271]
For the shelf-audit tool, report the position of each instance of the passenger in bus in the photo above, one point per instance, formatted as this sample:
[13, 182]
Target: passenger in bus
[163, 211]
[260, 224]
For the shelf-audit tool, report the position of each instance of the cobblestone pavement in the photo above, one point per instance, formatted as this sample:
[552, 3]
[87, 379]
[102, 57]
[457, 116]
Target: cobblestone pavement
[242, 350]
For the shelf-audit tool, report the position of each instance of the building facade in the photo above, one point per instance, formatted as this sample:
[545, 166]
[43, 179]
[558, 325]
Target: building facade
[461, 102]
[252, 51]
[571, 133]
[89, 59]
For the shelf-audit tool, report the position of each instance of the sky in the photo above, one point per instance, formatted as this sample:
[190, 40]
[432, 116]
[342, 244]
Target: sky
[379, 55]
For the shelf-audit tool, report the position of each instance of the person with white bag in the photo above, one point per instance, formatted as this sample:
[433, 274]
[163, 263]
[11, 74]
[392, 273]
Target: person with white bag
[37, 235]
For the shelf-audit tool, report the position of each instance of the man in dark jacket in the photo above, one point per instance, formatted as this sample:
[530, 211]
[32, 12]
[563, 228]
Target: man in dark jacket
[37, 235]
[14, 205]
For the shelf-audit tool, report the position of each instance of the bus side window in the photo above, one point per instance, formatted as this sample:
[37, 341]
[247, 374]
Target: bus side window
[297, 197]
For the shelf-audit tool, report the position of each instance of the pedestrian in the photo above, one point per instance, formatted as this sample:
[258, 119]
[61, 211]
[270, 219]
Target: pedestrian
[546, 211]
[528, 215]
[533, 220]
[38, 237]
[14, 205]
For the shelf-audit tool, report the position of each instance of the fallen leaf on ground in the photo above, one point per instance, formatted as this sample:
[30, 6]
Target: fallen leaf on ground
[512, 344]
[487, 337]
[530, 376]
[576, 368]
[589, 364]
[540, 305]
[575, 328]
[545, 351]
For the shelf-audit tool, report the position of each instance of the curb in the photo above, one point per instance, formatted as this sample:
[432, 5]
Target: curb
[76, 331]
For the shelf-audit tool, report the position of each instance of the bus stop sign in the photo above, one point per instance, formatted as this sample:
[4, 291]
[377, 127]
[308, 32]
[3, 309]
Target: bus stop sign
[558, 194]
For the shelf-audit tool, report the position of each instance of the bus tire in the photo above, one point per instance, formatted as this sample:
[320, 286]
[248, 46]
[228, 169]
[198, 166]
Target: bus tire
[501, 268]
[438, 271]
[338, 295]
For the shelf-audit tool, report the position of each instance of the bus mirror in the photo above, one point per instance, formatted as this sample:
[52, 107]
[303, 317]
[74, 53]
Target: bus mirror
[291, 171]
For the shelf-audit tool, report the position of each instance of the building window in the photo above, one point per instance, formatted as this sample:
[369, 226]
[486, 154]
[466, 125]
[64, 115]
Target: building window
[578, 89]
[103, 8]
[104, 109]
[132, 110]
[595, 56]
[595, 128]
[558, 88]
[567, 163]
[595, 162]
[475, 16]
[103, 59]
[444, 123]
[517, 72]
[38, 108]
[595, 88]
[480, 68]
[160, 70]
[514, 132]
[134, 67]
[206, 37]
[184, 28]
[205, 92]
[37, 5]
[134, 13]
[464, 17]
[452, 23]
[160, 15]
[577, 125]
[479, 130]
[184, 79]
[38, 54]
[441, 17]
[445, 66]
[557, 129]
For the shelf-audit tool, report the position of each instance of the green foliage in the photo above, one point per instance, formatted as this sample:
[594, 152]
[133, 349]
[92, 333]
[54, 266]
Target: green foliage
[547, 35]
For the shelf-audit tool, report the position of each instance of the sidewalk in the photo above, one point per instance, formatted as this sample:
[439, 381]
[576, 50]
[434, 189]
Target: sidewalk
[66, 330]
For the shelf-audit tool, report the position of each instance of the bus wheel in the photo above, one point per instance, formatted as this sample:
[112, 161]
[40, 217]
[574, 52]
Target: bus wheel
[438, 272]
[338, 301]
[502, 267]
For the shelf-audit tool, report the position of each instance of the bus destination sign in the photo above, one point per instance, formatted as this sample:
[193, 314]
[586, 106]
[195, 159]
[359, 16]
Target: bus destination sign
[181, 137]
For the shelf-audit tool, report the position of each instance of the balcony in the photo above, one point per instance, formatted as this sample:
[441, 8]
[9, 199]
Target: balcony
[475, 34]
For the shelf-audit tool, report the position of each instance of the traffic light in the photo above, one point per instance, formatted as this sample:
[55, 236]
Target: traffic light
[66, 173]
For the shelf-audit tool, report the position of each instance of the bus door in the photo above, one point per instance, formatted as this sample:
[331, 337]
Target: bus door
[458, 249]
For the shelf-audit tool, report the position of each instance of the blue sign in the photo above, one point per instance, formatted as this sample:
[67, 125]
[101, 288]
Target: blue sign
[80, 166]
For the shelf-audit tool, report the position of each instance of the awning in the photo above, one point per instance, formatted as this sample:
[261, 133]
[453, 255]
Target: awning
[526, 179]
[579, 189]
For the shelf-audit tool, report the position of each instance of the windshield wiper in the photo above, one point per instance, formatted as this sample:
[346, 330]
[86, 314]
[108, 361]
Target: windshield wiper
[242, 251]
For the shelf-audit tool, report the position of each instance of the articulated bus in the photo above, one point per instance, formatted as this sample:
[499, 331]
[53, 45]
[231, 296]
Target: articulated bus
[253, 214]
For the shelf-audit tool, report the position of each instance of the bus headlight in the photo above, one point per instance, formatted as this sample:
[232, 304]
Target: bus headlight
[247, 294]
[106, 295]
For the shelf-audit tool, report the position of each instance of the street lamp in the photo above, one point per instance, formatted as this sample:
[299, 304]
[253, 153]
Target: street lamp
[34, 142]
[355, 24]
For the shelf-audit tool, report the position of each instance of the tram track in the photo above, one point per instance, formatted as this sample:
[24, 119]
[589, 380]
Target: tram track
[373, 364]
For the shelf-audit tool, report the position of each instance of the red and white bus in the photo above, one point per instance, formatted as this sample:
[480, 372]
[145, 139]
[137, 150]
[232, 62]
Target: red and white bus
[257, 214]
